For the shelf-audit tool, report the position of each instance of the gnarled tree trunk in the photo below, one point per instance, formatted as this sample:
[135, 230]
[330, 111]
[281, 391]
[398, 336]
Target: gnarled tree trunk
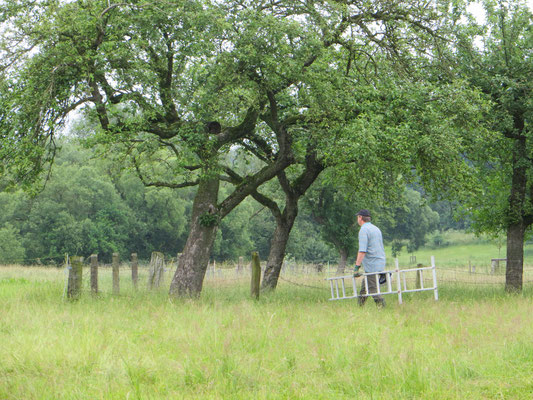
[278, 245]
[206, 214]
[189, 276]
[342, 260]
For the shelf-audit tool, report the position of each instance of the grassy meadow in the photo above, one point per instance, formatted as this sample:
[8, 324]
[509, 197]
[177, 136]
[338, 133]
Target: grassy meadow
[460, 249]
[474, 343]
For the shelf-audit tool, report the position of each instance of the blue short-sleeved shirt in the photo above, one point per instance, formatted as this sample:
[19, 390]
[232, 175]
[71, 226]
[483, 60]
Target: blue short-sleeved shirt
[371, 243]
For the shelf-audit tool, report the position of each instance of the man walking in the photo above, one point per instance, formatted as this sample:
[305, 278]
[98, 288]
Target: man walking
[371, 255]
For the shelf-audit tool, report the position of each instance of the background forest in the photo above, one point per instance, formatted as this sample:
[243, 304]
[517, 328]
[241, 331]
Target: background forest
[93, 205]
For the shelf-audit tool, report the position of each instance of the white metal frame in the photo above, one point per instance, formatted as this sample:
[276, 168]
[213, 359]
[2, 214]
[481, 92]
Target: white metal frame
[396, 274]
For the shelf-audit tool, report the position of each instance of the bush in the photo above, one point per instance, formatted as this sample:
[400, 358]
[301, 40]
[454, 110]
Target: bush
[11, 250]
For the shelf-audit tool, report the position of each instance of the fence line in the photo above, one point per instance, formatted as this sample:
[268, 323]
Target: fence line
[297, 274]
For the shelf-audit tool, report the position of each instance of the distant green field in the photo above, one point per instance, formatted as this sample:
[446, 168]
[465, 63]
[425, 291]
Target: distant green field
[462, 250]
[476, 342]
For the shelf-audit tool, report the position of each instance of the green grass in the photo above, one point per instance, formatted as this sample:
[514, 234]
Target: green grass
[475, 342]
[460, 250]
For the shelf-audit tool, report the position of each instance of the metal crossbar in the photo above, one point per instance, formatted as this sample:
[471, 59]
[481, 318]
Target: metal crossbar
[397, 275]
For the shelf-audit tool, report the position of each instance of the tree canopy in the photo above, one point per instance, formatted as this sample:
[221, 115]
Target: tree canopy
[496, 59]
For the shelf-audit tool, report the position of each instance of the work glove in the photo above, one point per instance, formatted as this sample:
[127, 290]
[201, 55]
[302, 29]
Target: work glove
[356, 273]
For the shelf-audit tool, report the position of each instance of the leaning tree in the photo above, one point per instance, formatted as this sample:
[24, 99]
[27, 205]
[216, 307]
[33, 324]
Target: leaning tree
[342, 123]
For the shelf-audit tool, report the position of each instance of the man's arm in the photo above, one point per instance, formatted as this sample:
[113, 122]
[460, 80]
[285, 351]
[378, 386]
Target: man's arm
[358, 262]
[363, 244]
[360, 256]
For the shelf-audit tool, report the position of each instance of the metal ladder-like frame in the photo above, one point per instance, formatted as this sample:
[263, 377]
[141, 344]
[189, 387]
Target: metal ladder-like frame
[344, 292]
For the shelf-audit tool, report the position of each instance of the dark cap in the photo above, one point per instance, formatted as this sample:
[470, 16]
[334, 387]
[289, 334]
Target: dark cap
[364, 213]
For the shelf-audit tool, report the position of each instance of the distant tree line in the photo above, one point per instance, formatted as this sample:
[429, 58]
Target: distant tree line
[89, 205]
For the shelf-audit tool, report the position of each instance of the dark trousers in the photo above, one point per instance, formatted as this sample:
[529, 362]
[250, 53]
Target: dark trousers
[372, 288]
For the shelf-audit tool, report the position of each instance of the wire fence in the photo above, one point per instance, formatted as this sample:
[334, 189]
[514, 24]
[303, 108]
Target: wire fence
[304, 275]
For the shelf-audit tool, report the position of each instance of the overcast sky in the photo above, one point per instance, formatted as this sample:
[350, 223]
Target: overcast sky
[477, 9]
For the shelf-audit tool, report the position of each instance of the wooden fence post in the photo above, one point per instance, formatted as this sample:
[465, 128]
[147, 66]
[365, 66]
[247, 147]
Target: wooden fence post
[418, 277]
[240, 265]
[134, 269]
[256, 275]
[157, 266]
[74, 278]
[116, 276]
[94, 273]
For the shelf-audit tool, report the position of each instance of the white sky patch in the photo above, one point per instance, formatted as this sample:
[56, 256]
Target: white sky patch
[477, 10]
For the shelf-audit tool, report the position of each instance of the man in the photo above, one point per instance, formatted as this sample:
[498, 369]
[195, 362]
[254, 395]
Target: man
[371, 255]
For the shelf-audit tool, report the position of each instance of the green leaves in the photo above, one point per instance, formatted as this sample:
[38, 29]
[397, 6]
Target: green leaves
[501, 68]
[11, 249]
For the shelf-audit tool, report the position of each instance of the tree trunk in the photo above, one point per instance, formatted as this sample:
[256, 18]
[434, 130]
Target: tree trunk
[342, 261]
[278, 245]
[285, 219]
[515, 258]
[516, 226]
[189, 276]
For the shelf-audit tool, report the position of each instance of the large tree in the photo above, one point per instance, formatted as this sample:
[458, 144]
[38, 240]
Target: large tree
[496, 58]
[177, 82]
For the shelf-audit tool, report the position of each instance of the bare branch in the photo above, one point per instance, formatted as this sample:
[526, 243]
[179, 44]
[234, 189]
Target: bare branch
[77, 104]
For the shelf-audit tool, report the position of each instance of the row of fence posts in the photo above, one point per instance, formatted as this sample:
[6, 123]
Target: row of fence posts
[75, 268]
[155, 275]
[494, 266]
[212, 269]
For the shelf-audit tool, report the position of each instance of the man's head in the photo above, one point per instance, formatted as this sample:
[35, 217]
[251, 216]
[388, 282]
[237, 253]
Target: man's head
[363, 216]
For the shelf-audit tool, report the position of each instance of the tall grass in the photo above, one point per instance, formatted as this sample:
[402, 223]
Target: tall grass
[475, 342]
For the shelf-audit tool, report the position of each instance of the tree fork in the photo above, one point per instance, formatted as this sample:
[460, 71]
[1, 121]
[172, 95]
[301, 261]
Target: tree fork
[285, 220]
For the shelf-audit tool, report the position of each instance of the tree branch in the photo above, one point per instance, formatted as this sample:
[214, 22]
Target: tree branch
[161, 183]
[111, 7]
[251, 183]
[267, 202]
[245, 128]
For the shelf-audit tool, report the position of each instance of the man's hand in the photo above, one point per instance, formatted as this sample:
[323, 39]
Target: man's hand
[356, 273]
